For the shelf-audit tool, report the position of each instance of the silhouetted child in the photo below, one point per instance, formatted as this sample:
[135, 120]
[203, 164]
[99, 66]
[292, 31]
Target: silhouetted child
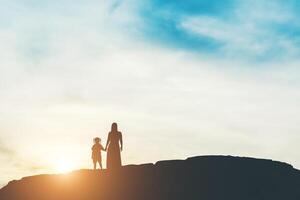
[96, 152]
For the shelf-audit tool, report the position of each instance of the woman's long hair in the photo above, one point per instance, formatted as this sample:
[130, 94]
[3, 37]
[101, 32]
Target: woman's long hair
[114, 127]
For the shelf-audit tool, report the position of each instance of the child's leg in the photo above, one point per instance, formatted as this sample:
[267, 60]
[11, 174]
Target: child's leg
[100, 163]
[95, 163]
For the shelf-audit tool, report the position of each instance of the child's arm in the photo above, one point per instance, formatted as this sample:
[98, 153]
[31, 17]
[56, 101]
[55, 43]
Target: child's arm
[102, 148]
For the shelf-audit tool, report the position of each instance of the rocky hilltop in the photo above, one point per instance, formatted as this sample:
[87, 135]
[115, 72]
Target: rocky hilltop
[199, 178]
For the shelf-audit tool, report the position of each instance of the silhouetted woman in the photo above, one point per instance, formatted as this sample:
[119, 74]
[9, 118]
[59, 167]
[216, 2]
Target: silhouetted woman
[114, 146]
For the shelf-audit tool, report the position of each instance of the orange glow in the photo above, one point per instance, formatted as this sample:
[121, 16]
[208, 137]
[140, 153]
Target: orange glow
[64, 166]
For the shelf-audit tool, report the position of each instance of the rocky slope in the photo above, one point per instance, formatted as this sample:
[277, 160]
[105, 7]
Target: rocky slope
[204, 177]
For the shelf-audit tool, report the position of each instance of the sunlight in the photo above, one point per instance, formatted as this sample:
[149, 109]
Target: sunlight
[64, 166]
[63, 159]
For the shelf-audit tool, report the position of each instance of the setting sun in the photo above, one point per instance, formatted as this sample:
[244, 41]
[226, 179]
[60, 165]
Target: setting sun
[64, 166]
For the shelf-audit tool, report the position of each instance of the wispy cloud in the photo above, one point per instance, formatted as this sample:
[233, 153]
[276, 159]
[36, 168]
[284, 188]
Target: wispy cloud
[254, 30]
[16, 163]
[5, 151]
[14, 166]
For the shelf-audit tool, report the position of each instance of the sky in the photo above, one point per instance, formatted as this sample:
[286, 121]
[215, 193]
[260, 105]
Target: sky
[181, 79]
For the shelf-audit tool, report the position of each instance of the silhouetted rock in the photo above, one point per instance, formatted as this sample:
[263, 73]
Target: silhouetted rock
[201, 178]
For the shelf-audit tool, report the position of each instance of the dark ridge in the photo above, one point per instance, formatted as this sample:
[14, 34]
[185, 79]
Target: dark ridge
[199, 178]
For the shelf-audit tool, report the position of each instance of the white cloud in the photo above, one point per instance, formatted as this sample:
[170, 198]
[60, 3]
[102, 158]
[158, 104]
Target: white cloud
[255, 29]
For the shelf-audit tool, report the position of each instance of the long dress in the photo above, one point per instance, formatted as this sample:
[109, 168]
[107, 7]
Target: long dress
[113, 151]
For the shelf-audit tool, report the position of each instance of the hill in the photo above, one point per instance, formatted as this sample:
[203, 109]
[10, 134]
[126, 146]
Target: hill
[201, 178]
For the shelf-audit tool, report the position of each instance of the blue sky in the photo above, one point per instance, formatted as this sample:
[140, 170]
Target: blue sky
[256, 30]
[239, 29]
[181, 78]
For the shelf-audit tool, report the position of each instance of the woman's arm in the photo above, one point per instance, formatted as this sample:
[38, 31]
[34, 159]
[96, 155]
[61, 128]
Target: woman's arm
[121, 141]
[107, 142]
